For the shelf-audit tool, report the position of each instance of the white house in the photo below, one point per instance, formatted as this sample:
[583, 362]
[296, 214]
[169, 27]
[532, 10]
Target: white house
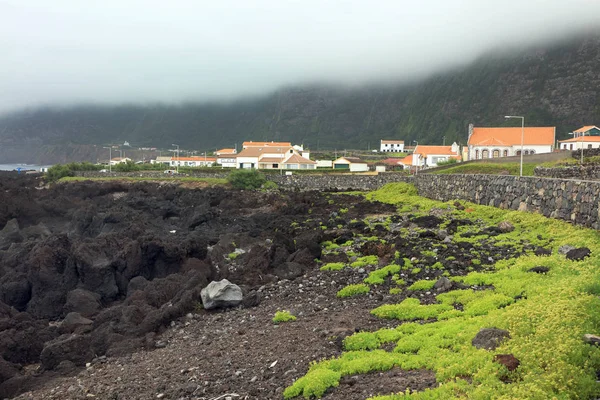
[272, 157]
[429, 156]
[503, 142]
[391, 146]
[227, 158]
[161, 160]
[354, 164]
[119, 160]
[587, 137]
[324, 164]
[198, 161]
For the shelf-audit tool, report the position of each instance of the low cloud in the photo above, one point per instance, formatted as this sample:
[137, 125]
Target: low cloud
[66, 52]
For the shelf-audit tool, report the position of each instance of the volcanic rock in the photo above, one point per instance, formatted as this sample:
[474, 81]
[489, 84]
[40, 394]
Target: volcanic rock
[221, 294]
[578, 254]
[490, 338]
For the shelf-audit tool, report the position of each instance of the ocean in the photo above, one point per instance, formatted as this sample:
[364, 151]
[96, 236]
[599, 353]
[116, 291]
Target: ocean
[23, 167]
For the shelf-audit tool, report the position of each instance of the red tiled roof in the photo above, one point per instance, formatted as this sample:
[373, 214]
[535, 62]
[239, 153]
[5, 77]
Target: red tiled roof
[434, 150]
[593, 139]
[271, 160]
[225, 151]
[297, 159]
[585, 128]
[267, 144]
[407, 160]
[512, 136]
[392, 141]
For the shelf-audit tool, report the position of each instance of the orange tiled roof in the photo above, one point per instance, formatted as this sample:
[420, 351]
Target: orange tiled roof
[582, 139]
[392, 141]
[297, 159]
[198, 158]
[512, 136]
[585, 128]
[267, 144]
[434, 150]
[225, 151]
[271, 160]
[407, 160]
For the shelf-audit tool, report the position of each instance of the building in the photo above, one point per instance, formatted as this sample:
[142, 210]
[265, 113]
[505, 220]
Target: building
[407, 162]
[198, 161]
[587, 137]
[225, 152]
[161, 160]
[263, 145]
[273, 157]
[429, 156]
[119, 160]
[504, 142]
[391, 146]
[354, 164]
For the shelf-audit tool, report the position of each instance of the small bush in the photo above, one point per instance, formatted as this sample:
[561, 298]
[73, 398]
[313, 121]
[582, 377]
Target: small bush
[422, 285]
[246, 179]
[333, 266]
[270, 185]
[283, 316]
[353, 290]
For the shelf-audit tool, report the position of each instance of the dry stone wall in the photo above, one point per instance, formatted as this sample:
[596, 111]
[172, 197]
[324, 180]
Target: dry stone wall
[571, 200]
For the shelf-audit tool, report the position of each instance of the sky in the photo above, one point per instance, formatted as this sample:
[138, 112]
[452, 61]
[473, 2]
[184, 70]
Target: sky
[66, 52]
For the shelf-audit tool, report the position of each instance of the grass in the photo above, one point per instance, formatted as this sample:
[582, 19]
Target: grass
[283, 316]
[546, 315]
[353, 290]
[211, 181]
[490, 169]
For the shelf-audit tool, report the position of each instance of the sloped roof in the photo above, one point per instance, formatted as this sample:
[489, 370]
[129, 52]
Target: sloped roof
[434, 150]
[392, 141]
[351, 160]
[512, 136]
[251, 152]
[271, 160]
[266, 144]
[225, 151]
[408, 160]
[298, 159]
[392, 161]
[586, 128]
[591, 139]
[197, 158]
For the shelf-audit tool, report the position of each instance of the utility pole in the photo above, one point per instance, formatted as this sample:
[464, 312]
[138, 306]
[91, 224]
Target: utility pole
[109, 158]
[177, 156]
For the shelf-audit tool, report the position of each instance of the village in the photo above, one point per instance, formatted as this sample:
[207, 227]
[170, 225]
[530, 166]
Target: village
[483, 143]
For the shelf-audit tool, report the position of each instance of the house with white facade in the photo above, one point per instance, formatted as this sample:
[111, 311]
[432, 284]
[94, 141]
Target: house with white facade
[273, 157]
[587, 137]
[197, 161]
[354, 164]
[504, 142]
[161, 160]
[226, 158]
[407, 162]
[119, 160]
[391, 146]
[426, 156]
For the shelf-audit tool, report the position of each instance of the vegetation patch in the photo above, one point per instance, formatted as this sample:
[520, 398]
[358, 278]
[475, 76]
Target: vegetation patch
[353, 290]
[283, 316]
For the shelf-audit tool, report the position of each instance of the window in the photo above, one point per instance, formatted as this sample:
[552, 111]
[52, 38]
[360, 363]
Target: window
[518, 152]
[589, 146]
[531, 151]
[505, 153]
[477, 154]
[526, 152]
[485, 154]
[496, 154]
[571, 146]
[275, 166]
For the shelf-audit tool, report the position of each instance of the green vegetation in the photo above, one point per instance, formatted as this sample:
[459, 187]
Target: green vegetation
[422, 285]
[490, 169]
[210, 181]
[270, 185]
[247, 179]
[546, 315]
[378, 276]
[59, 171]
[364, 261]
[353, 290]
[333, 266]
[449, 161]
[283, 316]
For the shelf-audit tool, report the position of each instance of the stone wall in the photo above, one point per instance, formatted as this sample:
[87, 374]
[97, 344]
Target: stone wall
[344, 181]
[586, 172]
[571, 200]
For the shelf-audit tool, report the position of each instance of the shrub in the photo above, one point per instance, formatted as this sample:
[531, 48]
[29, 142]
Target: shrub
[58, 171]
[353, 290]
[333, 266]
[422, 285]
[246, 179]
[270, 185]
[283, 316]
[450, 161]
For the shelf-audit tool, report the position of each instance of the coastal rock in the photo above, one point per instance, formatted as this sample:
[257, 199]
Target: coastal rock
[221, 294]
[490, 338]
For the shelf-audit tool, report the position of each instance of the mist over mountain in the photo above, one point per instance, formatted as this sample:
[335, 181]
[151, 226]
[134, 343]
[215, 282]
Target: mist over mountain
[551, 84]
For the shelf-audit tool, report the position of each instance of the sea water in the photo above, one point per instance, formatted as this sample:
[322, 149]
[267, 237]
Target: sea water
[23, 167]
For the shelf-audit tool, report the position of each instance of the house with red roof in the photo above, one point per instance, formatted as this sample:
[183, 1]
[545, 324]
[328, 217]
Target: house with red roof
[489, 142]
[426, 156]
[586, 137]
[273, 157]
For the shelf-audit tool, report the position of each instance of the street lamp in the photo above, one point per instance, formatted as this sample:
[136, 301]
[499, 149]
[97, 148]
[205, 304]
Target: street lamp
[582, 138]
[176, 145]
[109, 158]
[416, 169]
[522, 139]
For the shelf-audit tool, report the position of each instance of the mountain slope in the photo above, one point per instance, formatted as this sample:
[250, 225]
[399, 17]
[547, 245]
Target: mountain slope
[550, 85]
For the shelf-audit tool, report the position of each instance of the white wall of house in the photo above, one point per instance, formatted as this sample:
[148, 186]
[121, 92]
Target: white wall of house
[247, 162]
[577, 145]
[324, 164]
[481, 152]
[358, 167]
[391, 147]
[227, 162]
